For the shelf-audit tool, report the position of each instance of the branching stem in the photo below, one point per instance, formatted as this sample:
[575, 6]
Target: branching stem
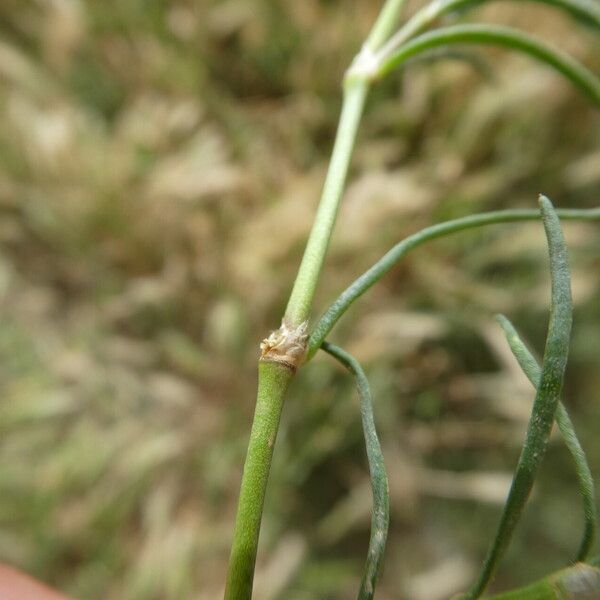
[275, 375]
[279, 362]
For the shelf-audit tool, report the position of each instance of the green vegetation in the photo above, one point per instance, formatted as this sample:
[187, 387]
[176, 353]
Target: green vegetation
[380, 513]
[586, 482]
[158, 169]
[286, 348]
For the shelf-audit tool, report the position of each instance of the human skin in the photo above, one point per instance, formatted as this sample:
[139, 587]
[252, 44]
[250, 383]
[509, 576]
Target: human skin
[15, 585]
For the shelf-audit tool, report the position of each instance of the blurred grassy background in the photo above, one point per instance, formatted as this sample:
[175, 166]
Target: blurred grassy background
[160, 164]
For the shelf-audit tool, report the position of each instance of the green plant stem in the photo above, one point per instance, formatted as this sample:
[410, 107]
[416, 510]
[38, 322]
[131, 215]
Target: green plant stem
[300, 302]
[533, 372]
[385, 23]
[356, 90]
[360, 285]
[546, 399]
[510, 38]
[273, 380]
[380, 514]
[585, 10]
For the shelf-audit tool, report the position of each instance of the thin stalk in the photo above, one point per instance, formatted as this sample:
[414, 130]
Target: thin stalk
[585, 10]
[300, 302]
[385, 23]
[496, 35]
[380, 514]
[546, 399]
[273, 380]
[532, 370]
[360, 285]
[356, 89]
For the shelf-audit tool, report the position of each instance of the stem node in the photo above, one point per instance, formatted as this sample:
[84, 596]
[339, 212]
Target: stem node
[365, 67]
[286, 345]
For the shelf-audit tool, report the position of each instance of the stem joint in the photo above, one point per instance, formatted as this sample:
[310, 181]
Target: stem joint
[364, 68]
[286, 345]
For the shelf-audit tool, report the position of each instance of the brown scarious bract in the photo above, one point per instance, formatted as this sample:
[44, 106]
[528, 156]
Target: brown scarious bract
[286, 345]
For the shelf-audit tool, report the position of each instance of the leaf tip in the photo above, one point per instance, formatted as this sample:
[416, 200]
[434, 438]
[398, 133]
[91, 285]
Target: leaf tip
[545, 203]
[500, 318]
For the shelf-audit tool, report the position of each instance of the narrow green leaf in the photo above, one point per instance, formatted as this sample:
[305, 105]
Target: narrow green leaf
[370, 277]
[473, 59]
[584, 475]
[496, 35]
[385, 23]
[379, 482]
[546, 400]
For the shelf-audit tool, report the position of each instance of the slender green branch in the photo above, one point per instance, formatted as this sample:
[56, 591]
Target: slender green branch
[385, 24]
[300, 302]
[380, 514]
[496, 35]
[546, 400]
[586, 11]
[360, 285]
[284, 349]
[355, 94]
[586, 482]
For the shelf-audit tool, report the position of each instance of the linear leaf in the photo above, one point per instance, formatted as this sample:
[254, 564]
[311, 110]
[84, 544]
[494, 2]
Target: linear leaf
[370, 277]
[546, 399]
[585, 11]
[533, 372]
[379, 482]
[496, 35]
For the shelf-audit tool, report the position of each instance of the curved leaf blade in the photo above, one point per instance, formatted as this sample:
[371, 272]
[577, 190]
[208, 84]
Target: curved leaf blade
[586, 12]
[496, 35]
[380, 515]
[533, 372]
[370, 277]
[546, 400]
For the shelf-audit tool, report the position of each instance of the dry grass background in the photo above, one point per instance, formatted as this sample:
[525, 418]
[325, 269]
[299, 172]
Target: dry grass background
[160, 164]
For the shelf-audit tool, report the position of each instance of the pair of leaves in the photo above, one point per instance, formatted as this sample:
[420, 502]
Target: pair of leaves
[407, 44]
[547, 380]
